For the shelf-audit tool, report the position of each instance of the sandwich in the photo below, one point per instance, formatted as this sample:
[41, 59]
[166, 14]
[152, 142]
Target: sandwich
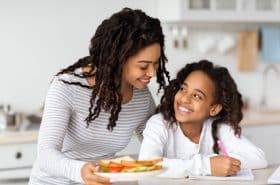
[127, 164]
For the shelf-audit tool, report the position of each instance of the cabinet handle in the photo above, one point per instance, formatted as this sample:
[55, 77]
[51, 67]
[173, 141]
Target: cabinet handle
[18, 155]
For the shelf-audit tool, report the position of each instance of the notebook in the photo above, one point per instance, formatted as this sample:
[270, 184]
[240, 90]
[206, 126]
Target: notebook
[275, 177]
[242, 175]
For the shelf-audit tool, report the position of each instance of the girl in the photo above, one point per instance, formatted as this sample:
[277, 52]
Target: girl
[94, 106]
[201, 106]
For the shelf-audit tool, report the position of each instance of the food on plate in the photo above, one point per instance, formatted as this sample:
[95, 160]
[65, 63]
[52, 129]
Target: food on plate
[128, 164]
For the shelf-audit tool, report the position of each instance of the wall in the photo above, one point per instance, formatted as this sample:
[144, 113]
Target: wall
[39, 37]
[249, 83]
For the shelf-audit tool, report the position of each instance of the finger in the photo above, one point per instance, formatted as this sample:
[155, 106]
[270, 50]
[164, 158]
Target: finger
[99, 179]
[235, 169]
[236, 162]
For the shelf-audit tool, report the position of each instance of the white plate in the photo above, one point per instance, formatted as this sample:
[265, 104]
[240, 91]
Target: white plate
[129, 176]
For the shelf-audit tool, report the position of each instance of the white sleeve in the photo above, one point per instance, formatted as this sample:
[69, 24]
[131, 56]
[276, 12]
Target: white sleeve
[155, 137]
[180, 168]
[153, 145]
[150, 111]
[241, 148]
[57, 113]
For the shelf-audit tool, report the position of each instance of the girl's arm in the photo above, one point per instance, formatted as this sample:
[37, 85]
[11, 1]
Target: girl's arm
[241, 148]
[150, 111]
[57, 113]
[154, 145]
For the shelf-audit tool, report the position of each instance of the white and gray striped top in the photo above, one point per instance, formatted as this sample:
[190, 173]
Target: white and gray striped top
[65, 143]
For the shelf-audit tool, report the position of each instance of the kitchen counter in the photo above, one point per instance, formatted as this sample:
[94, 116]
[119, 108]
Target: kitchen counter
[9, 137]
[260, 117]
[261, 177]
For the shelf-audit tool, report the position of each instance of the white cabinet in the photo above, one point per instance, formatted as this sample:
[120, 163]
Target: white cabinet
[18, 152]
[255, 11]
[17, 155]
[267, 137]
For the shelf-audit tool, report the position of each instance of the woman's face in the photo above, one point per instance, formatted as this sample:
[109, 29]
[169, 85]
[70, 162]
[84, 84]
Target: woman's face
[140, 68]
[193, 103]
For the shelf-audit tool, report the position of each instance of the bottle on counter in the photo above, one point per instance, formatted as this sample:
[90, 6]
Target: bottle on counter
[3, 118]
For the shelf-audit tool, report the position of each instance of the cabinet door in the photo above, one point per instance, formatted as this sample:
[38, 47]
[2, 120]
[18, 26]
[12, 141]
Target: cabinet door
[213, 11]
[17, 155]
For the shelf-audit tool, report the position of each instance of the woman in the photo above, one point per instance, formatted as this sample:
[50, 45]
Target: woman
[94, 106]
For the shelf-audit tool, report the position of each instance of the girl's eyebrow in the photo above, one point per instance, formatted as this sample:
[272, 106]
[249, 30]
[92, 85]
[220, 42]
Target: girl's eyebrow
[198, 90]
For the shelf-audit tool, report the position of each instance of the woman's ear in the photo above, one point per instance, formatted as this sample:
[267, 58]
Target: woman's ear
[216, 109]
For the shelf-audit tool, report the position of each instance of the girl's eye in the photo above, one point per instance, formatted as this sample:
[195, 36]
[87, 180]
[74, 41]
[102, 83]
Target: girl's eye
[197, 97]
[183, 89]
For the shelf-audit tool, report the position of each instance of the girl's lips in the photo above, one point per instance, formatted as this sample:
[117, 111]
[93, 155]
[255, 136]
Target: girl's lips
[183, 109]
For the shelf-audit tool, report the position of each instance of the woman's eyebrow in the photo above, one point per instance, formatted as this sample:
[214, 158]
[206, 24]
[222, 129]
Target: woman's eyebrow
[148, 61]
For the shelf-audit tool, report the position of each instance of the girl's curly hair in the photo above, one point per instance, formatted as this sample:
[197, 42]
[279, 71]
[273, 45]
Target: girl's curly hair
[116, 39]
[226, 94]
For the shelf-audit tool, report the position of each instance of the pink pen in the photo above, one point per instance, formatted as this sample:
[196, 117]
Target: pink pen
[222, 148]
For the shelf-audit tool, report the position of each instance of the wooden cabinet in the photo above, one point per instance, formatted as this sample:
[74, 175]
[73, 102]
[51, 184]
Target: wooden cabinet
[214, 11]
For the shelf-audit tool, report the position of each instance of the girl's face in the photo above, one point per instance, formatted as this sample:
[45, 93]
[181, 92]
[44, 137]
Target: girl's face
[193, 103]
[140, 68]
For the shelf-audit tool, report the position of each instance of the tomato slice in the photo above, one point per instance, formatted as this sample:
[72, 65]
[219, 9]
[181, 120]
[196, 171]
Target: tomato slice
[115, 167]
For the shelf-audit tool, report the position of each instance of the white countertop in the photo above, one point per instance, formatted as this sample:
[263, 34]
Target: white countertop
[8, 137]
[261, 177]
[257, 117]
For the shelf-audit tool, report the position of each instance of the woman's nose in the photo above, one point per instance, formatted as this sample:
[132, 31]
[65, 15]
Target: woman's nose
[151, 72]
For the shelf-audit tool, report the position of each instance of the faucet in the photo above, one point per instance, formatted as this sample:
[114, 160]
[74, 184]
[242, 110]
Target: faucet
[267, 69]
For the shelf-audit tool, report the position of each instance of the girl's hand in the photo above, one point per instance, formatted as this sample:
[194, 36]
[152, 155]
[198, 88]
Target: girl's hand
[90, 178]
[224, 166]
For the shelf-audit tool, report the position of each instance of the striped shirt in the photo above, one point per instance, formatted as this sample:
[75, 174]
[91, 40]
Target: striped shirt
[65, 143]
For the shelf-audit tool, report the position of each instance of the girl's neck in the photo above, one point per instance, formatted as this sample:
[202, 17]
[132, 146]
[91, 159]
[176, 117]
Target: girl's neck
[192, 131]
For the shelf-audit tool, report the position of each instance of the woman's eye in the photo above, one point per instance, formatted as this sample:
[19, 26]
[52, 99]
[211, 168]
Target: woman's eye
[143, 68]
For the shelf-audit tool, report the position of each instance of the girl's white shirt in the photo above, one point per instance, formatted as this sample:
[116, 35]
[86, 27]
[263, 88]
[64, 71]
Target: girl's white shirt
[182, 157]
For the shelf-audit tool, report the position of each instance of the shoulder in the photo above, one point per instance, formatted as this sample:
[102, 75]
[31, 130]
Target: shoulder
[223, 128]
[157, 122]
[142, 92]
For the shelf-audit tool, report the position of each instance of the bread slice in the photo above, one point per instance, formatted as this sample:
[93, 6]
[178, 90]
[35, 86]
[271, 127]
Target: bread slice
[105, 162]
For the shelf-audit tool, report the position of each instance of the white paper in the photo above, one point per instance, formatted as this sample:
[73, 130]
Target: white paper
[275, 177]
[242, 175]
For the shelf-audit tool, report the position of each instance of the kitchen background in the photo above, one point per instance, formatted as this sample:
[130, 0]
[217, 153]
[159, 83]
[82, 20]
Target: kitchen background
[38, 38]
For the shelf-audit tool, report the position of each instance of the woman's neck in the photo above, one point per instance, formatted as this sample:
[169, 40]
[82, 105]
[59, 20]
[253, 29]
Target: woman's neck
[127, 93]
[126, 89]
[192, 131]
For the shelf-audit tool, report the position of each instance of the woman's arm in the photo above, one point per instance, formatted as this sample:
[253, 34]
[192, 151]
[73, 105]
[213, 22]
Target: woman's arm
[57, 113]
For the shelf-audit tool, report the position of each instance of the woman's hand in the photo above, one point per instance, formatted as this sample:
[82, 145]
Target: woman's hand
[224, 166]
[90, 178]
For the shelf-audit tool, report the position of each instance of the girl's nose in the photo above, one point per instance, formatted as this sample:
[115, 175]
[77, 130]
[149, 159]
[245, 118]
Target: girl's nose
[186, 98]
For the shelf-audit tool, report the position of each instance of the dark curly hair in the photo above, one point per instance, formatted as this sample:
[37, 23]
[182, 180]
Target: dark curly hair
[116, 39]
[226, 94]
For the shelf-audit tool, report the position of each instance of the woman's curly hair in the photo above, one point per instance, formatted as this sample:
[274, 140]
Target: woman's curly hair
[226, 94]
[116, 39]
